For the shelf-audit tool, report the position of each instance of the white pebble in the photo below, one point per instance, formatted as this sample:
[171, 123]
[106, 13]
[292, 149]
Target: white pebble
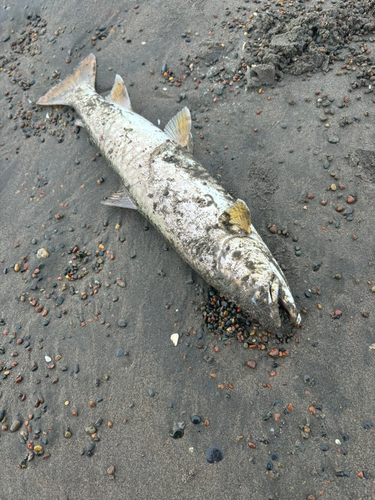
[48, 359]
[174, 338]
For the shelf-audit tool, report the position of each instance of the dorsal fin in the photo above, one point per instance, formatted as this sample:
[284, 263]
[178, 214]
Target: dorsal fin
[179, 129]
[119, 95]
[120, 199]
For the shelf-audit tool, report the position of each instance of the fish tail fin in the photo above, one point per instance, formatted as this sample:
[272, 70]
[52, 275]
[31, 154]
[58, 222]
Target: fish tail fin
[84, 73]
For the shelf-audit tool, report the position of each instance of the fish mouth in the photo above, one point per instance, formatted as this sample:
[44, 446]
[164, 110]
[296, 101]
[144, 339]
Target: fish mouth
[278, 298]
[290, 310]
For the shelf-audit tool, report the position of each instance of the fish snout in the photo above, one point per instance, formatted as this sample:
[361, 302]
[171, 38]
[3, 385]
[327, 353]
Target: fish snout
[286, 303]
[272, 299]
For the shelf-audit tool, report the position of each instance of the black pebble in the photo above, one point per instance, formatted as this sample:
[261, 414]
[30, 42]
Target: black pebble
[76, 369]
[269, 465]
[58, 314]
[178, 433]
[324, 447]
[214, 454]
[345, 437]
[367, 425]
[59, 300]
[196, 419]
[308, 294]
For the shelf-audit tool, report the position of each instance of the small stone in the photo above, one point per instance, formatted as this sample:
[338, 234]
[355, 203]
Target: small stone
[334, 139]
[119, 352]
[337, 313]
[196, 419]
[38, 448]
[151, 393]
[68, 434]
[16, 267]
[48, 359]
[90, 429]
[90, 449]
[350, 199]
[251, 364]
[122, 324]
[111, 470]
[273, 352]
[324, 447]
[214, 454]
[174, 338]
[15, 425]
[42, 253]
[333, 187]
[177, 433]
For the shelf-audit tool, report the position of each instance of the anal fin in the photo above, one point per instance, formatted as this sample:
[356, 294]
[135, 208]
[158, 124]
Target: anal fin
[120, 199]
[178, 129]
[119, 94]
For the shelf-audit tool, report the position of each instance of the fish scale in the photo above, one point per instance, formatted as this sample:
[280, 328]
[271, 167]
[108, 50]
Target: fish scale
[207, 226]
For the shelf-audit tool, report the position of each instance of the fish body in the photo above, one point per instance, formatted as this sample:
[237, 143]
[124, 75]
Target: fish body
[208, 227]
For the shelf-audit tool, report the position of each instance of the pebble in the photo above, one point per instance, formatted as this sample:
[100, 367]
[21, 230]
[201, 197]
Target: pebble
[89, 449]
[122, 324]
[334, 139]
[151, 393]
[119, 352]
[68, 434]
[174, 338]
[90, 429]
[196, 419]
[214, 454]
[177, 433]
[111, 470]
[15, 425]
[48, 359]
[42, 253]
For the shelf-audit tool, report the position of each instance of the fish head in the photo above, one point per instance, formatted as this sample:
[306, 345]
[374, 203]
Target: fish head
[255, 281]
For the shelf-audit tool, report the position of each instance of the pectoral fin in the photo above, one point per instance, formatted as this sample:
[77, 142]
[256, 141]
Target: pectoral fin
[120, 199]
[178, 129]
[119, 95]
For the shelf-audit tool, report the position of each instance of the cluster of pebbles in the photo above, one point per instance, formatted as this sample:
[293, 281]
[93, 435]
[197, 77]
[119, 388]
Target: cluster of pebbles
[227, 321]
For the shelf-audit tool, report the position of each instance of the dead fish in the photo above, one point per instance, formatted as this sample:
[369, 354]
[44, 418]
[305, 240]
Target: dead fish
[209, 229]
